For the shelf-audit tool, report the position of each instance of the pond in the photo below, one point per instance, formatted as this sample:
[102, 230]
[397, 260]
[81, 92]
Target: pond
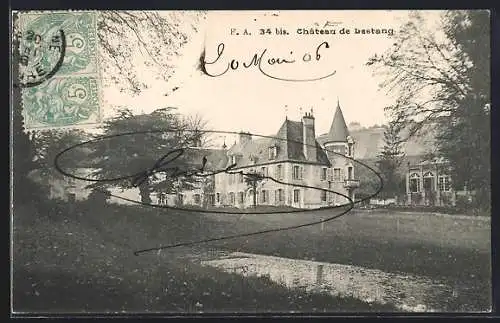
[409, 293]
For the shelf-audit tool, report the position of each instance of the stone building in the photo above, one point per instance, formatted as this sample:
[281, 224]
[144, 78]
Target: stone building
[428, 182]
[299, 170]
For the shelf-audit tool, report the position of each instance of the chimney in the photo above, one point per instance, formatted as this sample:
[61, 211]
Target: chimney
[309, 137]
[245, 137]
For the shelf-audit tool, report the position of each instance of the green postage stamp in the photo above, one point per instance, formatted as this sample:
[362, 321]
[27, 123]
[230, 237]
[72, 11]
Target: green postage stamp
[58, 69]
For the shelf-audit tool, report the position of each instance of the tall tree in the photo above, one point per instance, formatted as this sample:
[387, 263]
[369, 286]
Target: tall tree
[438, 71]
[465, 141]
[389, 160]
[162, 135]
[47, 144]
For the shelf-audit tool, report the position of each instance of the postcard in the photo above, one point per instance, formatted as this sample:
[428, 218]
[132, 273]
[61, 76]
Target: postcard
[250, 162]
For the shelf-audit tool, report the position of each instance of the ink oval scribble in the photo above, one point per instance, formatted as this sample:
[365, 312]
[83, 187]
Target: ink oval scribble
[191, 165]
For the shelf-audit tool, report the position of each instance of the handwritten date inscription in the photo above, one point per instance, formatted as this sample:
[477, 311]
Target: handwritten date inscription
[262, 61]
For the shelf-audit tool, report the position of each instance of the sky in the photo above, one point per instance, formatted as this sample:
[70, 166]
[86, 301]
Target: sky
[244, 99]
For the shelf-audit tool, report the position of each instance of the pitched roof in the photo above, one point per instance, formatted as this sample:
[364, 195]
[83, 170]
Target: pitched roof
[288, 139]
[216, 158]
[338, 130]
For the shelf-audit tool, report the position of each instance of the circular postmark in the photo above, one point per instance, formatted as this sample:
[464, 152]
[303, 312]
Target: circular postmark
[41, 56]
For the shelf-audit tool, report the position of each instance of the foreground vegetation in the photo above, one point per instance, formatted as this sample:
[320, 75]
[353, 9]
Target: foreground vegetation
[82, 260]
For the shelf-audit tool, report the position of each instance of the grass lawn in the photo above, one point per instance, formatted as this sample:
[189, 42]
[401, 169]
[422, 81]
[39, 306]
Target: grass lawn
[83, 261]
[454, 250]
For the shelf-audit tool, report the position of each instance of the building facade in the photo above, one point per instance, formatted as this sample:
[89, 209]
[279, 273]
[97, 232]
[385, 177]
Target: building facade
[295, 169]
[429, 183]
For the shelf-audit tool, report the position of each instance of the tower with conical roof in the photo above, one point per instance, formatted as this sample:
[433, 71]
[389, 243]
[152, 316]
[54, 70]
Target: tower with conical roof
[339, 142]
[338, 138]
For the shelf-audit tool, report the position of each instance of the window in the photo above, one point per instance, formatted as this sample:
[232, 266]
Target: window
[218, 197]
[296, 172]
[323, 173]
[263, 171]
[349, 172]
[428, 182]
[414, 183]
[296, 196]
[336, 174]
[273, 152]
[242, 197]
[349, 151]
[447, 184]
[444, 183]
[233, 159]
[197, 198]
[231, 198]
[323, 196]
[339, 150]
[180, 197]
[240, 177]
[278, 172]
[279, 195]
[263, 196]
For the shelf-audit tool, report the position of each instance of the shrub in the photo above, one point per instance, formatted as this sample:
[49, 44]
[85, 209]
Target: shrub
[445, 199]
[99, 196]
[416, 198]
[463, 203]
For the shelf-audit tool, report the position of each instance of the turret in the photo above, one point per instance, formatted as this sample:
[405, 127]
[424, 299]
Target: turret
[337, 139]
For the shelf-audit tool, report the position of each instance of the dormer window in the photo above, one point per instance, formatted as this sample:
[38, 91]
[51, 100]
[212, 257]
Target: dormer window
[233, 159]
[273, 152]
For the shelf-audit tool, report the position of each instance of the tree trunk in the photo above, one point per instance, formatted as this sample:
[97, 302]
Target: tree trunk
[254, 194]
[145, 191]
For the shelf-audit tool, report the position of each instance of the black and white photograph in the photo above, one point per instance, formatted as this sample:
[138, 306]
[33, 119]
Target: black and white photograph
[250, 162]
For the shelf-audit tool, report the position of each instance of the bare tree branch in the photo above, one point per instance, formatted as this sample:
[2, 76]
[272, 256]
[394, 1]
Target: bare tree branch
[157, 38]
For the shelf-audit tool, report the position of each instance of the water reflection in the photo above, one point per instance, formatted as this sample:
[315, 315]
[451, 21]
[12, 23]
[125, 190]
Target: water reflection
[406, 292]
